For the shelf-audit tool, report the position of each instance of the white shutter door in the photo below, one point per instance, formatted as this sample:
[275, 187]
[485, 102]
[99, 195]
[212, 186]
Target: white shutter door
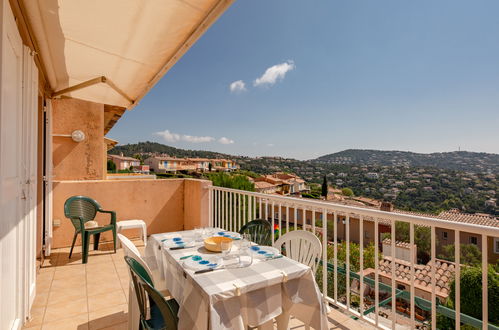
[11, 237]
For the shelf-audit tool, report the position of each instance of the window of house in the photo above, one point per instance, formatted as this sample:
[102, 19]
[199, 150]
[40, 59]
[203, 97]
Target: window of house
[473, 240]
[496, 245]
[445, 235]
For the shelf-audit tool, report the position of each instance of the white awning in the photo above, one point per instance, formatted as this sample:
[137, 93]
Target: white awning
[116, 49]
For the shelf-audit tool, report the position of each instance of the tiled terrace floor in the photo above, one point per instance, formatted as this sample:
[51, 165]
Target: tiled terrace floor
[71, 295]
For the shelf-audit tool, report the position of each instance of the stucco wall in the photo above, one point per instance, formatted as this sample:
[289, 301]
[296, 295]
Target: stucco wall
[78, 160]
[196, 203]
[165, 205]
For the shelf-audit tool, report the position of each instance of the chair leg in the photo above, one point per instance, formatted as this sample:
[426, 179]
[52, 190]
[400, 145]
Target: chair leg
[73, 245]
[85, 243]
[114, 238]
[96, 241]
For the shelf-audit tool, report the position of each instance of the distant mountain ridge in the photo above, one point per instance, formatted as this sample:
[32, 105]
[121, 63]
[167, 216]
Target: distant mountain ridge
[456, 160]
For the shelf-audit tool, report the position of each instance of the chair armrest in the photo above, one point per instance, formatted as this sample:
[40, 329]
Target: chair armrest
[113, 216]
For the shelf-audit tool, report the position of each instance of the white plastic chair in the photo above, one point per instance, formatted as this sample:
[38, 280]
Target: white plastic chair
[302, 246]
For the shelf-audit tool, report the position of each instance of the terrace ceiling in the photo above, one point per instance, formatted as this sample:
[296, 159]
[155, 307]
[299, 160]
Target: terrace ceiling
[115, 50]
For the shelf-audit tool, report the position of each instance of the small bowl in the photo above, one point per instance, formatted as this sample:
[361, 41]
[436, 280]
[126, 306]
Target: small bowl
[214, 244]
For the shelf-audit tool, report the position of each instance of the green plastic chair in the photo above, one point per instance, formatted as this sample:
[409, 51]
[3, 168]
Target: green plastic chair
[162, 313]
[260, 231]
[80, 210]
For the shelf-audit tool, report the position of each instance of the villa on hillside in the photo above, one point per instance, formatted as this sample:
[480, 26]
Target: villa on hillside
[281, 183]
[123, 163]
[166, 164]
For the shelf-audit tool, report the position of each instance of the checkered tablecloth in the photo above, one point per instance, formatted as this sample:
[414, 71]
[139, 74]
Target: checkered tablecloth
[234, 298]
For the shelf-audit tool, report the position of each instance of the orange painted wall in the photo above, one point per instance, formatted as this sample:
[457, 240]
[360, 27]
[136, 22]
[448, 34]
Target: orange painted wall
[165, 205]
[78, 160]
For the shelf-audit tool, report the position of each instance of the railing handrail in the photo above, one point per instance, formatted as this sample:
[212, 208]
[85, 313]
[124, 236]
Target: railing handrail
[384, 215]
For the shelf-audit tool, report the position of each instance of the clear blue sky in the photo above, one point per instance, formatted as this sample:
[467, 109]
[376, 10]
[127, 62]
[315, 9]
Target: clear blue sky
[420, 76]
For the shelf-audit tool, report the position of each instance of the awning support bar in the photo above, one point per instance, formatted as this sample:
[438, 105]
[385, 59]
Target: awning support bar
[91, 82]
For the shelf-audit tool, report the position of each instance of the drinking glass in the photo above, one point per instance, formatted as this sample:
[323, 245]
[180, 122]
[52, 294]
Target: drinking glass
[245, 255]
[225, 246]
[198, 233]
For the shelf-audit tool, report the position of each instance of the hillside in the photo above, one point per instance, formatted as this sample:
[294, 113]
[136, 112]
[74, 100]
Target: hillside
[154, 147]
[457, 160]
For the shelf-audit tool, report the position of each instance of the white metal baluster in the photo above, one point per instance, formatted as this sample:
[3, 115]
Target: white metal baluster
[313, 221]
[457, 278]
[222, 220]
[413, 255]
[273, 222]
[376, 272]
[239, 212]
[433, 280]
[216, 209]
[335, 274]
[245, 211]
[361, 248]
[266, 209]
[210, 207]
[296, 217]
[304, 219]
[347, 234]
[280, 220]
[485, 302]
[394, 286]
[231, 206]
[260, 211]
[324, 255]
[287, 218]
[254, 208]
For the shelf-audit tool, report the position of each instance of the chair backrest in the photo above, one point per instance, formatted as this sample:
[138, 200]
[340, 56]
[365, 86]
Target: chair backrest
[83, 207]
[131, 251]
[302, 246]
[147, 295]
[260, 231]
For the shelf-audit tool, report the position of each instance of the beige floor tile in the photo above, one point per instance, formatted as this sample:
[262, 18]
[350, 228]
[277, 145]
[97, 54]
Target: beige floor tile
[35, 327]
[75, 322]
[65, 309]
[40, 299]
[36, 316]
[98, 259]
[107, 317]
[103, 287]
[67, 294]
[106, 300]
[121, 326]
[68, 283]
[99, 277]
[105, 267]
[70, 271]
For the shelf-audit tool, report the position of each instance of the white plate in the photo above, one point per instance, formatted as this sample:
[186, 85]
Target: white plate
[177, 241]
[264, 252]
[197, 262]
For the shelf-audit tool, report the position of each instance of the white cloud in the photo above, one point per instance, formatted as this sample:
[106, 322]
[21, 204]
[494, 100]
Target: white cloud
[274, 73]
[270, 145]
[237, 86]
[224, 140]
[174, 137]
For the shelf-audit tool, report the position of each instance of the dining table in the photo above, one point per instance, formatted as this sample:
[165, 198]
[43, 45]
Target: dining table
[230, 296]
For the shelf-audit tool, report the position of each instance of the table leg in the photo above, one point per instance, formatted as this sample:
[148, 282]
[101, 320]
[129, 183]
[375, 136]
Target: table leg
[269, 325]
[283, 321]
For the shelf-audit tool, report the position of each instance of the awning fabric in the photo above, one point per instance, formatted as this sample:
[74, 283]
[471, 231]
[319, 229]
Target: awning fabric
[132, 43]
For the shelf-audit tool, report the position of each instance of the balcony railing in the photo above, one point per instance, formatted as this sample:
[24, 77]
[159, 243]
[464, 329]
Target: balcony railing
[230, 209]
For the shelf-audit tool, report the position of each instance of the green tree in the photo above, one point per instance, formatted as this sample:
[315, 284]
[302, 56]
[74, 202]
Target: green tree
[470, 254]
[347, 192]
[111, 166]
[210, 167]
[324, 188]
[234, 181]
[422, 238]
